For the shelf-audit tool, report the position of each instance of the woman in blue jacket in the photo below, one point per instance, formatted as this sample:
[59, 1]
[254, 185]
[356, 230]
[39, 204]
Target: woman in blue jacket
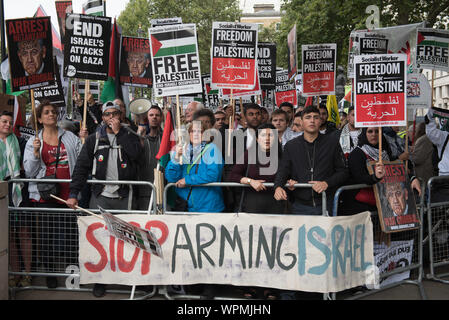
[201, 163]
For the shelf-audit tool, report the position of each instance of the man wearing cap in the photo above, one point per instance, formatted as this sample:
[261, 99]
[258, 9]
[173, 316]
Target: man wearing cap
[110, 153]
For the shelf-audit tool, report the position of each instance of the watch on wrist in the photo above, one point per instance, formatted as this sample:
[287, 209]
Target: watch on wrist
[248, 181]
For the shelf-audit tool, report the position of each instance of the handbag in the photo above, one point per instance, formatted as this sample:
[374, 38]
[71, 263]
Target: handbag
[46, 189]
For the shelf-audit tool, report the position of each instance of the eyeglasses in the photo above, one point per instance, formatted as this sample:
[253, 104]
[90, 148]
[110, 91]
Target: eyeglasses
[112, 113]
[375, 131]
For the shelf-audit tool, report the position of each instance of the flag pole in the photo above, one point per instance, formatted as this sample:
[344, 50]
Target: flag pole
[33, 107]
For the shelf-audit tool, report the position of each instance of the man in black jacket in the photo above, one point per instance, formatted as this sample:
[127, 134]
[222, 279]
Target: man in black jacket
[311, 158]
[111, 153]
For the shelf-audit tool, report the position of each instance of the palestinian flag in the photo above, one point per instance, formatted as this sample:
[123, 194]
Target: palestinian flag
[95, 8]
[173, 43]
[168, 142]
[112, 88]
[345, 103]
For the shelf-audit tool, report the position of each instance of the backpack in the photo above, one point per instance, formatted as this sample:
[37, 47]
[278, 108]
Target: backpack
[436, 158]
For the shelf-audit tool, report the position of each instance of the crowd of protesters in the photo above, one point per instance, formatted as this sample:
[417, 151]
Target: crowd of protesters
[285, 147]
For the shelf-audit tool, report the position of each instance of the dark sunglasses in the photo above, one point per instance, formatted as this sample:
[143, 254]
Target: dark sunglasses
[112, 113]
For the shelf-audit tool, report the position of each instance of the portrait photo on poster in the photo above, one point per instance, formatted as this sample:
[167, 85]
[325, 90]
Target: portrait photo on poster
[30, 52]
[395, 199]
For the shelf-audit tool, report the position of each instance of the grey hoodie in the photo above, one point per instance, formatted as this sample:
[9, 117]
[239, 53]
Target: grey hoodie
[35, 168]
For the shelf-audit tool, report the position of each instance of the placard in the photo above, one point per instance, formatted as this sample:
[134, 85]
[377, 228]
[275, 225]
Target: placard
[398, 39]
[226, 93]
[62, 9]
[306, 253]
[266, 65]
[211, 93]
[418, 91]
[432, 49]
[175, 60]
[54, 93]
[234, 55]
[380, 90]
[30, 51]
[135, 62]
[285, 90]
[292, 63]
[395, 200]
[318, 69]
[86, 47]
[165, 21]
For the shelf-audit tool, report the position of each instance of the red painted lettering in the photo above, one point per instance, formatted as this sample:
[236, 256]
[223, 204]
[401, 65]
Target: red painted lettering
[97, 245]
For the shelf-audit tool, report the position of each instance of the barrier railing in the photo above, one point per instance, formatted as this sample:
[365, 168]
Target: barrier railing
[52, 237]
[163, 289]
[236, 185]
[438, 230]
[412, 235]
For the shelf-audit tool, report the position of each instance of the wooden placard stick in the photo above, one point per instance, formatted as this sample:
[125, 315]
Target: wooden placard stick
[231, 123]
[79, 208]
[33, 107]
[86, 94]
[380, 145]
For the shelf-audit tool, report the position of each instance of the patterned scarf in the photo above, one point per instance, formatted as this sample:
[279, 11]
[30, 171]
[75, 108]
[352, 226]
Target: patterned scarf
[10, 165]
[373, 152]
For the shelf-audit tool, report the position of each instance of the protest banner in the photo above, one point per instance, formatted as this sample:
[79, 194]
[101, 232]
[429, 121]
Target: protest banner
[418, 91]
[388, 258]
[292, 65]
[380, 90]
[165, 21]
[395, 199]
[54, 93]
[266, 65]
[26, 132]
[432, 49]
[135, 62]
[30, 52]
[175, 60]
[86, 47]
[307, 253]
[62, 8]
[285, 90]
[397, 39]
[318, 69]
[234, 55]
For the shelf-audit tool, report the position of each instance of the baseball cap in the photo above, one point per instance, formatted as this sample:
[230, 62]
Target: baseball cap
[109, 105]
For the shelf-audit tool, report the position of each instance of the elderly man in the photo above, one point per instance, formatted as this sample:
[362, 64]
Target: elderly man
[191, 108]
[397, 196]
[32, 54]
[138, 63]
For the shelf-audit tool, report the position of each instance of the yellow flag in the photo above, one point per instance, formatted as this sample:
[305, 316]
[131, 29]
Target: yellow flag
[332, 109]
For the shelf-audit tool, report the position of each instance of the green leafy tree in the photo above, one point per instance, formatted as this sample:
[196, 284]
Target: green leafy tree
[202, 13]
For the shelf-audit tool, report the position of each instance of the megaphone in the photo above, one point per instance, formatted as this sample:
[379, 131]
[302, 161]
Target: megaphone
[139, 106]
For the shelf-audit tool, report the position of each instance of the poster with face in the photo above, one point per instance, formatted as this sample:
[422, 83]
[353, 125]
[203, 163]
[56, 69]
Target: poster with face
[30, 52]
[135, 62]
[394, 198]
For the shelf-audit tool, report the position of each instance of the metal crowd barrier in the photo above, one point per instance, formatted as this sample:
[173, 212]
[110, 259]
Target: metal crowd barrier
[52, 235]
[415, 235]
[438, 231]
